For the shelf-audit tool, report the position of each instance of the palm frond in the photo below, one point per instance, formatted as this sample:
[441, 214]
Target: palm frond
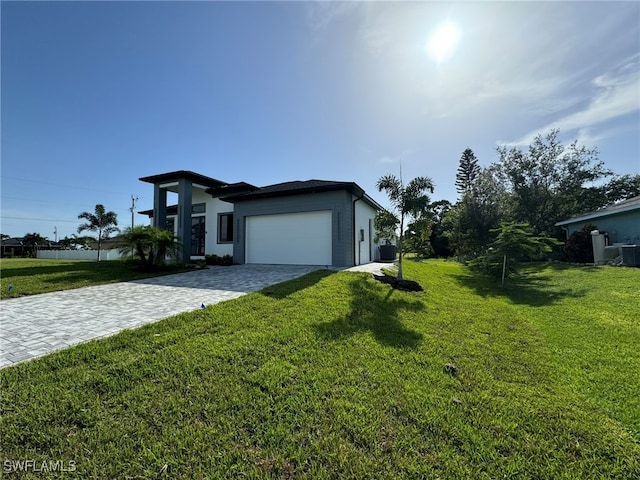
[393, 188]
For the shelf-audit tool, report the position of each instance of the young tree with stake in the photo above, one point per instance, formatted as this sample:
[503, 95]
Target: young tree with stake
[407, 203]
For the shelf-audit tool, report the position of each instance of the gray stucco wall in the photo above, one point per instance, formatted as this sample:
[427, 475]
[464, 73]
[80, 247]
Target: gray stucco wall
[622, 228]
[338, 202]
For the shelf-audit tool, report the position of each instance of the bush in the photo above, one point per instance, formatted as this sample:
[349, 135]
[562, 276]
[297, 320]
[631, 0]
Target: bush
[492, 264]
[579, 248]
[515, 242]
[225, 260]
[441, 246]
[153, 246]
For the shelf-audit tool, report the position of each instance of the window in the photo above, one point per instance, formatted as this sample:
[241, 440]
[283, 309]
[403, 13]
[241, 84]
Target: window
[225, 227]
[198, 208]
[171, 225]
[197, 236]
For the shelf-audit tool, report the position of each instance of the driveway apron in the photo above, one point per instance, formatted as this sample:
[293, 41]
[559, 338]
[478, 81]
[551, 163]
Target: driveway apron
[36, 325]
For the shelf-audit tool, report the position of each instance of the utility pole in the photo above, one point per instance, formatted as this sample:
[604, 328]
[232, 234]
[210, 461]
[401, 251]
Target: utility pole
[55, 232]
[132, 209]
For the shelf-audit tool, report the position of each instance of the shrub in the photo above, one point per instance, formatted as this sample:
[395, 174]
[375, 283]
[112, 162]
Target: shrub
[515, 242]
[579, 247]
[225, 260]
[152, 245]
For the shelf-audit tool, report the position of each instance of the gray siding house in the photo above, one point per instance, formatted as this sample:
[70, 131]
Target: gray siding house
[313, 222]
[621, 221]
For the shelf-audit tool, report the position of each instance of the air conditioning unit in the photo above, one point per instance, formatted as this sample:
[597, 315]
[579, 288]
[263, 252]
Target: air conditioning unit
[631, 255]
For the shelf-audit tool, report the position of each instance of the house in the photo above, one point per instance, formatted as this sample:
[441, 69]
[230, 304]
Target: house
[15, 247]
[621, 221]
[313, 222]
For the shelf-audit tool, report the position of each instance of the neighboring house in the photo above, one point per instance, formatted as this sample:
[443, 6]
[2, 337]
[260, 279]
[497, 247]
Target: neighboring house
[15, 247]
[313, 222]
[621, 221]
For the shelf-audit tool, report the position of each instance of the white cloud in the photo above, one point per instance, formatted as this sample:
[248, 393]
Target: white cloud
[405, 156]
[386, 159]
[592, 137]
[616, 93]
[320, 14]
[518, 68]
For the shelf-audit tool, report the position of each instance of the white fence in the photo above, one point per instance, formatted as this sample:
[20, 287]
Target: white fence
[113, 254]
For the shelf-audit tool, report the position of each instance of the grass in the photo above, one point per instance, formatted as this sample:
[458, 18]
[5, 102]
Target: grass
[335, 375]
[30, 276]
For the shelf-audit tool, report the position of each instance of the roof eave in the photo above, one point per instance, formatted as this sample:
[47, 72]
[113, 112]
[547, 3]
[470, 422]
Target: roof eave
[350, 186]
[372, 202]
[594, 215]
[239, 188]
[180, 174]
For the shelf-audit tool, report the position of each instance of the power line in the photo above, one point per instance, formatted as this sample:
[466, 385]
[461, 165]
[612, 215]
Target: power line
[35, 200]
[25, 199]
[38, 219]
[60, 185]
[67, 206]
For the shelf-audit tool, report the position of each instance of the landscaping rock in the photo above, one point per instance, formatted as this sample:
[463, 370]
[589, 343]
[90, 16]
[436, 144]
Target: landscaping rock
[451, 369]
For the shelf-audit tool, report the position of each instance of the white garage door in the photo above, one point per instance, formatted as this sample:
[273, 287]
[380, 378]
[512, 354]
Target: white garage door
[291, 238]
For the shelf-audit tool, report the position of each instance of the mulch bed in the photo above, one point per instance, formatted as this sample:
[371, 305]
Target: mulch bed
[404, 285]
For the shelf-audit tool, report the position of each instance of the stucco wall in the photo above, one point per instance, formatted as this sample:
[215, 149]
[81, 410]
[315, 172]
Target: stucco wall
[216, 206]
[366, 250]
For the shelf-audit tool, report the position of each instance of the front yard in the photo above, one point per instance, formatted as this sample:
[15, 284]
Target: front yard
[31, 276]
[335, 375]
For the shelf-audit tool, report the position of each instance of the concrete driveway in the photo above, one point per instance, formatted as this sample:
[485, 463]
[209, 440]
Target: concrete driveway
[36, 325]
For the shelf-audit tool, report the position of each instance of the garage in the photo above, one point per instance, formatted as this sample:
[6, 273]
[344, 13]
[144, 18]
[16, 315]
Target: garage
[289, 238]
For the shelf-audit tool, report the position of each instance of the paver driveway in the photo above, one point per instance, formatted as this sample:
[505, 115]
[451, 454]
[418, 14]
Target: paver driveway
[39, 324]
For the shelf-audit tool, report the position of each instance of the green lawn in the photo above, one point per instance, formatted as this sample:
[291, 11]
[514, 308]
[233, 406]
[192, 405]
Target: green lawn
[335, 375]
[30, 276]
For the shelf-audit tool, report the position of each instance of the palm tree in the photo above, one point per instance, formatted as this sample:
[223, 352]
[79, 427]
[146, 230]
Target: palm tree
[407, 201]
[33, 241]
[151, 244]
[103, 222]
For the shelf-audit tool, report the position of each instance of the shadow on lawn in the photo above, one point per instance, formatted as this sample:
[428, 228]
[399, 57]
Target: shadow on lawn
[369, 311]
[87, 268]
[121, 270]
[286, 288]
[529, 287]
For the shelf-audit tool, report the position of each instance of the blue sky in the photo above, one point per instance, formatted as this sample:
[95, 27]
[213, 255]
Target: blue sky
[98, 94]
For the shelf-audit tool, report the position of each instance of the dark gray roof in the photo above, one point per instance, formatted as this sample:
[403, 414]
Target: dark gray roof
[189, 175]
[296, 188]
[241, 191]
[12, 242]
[171, 210]
[230, 189]
[630, 205]
[299, 187]
[19, 242]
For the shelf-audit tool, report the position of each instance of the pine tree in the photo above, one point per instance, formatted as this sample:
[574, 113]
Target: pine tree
[467, 171]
